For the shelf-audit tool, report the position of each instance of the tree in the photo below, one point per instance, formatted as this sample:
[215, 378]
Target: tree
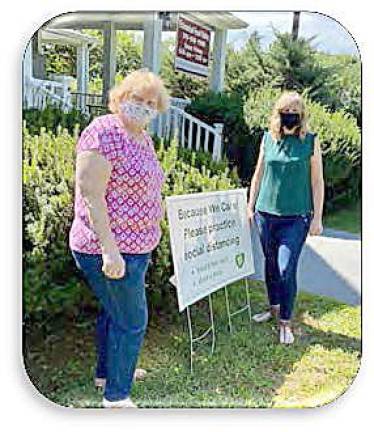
[295, 66]
[247, 68]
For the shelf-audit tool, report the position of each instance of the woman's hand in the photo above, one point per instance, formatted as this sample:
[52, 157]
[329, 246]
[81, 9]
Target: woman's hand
[250, 214]
[316, 227]
[255, 183]
[113, 264]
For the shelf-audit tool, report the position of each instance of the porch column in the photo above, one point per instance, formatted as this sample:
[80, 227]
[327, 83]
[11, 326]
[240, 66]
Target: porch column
[38, 59]
[152, 42]
[27, 75]
[109, 58]
[82, 73]
[217, 76]
[152, 51]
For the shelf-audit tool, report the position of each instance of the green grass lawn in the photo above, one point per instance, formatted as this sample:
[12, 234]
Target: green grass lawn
[346, 219]
[248, 368]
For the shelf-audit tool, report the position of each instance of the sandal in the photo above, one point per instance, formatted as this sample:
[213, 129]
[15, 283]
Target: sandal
[140, 374]
[285, 333]
[267, 315]
[100, 383]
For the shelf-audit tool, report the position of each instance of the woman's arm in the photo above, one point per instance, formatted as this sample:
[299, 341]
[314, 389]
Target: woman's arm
[318, 189]
[256, 182]
[92, 175]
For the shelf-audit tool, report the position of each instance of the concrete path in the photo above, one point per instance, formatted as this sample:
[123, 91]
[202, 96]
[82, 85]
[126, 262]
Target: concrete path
[329, 265]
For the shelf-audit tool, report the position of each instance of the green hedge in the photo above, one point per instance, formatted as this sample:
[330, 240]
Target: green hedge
[50, 276]
[51, 118]
[338, 133]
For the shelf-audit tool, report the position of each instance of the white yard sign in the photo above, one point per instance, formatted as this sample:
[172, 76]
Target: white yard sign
[210, 241]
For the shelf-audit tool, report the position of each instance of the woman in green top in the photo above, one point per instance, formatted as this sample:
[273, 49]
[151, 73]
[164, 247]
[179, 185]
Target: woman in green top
[286, 202]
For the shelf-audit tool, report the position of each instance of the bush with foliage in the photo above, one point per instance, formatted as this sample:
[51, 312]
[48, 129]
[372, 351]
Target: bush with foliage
[50, 275]
[227, 108]
[343, 84]
[51, 118]
[338, 133]
[48, 176]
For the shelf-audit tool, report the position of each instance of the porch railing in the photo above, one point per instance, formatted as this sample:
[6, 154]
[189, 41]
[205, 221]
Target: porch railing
[41, 93]
[190, 132]
[89, 103]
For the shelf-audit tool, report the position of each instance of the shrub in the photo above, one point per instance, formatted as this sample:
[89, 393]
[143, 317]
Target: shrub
[227, 108]
[50, 276]
[339, 136]
[48, 175]
[51, 118]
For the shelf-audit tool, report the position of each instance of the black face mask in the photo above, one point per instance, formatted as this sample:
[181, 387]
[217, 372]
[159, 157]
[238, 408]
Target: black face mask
[290, 120]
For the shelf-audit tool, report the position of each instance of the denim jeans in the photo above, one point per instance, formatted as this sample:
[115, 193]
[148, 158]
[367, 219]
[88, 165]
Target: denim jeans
[282, 239]
[122, 320]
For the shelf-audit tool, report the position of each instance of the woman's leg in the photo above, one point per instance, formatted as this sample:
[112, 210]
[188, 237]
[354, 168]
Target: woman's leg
[291, 235]
[89, 265]
[125, 303]
[101, 348]
[101, 343]
[270, 249]
[127, 326]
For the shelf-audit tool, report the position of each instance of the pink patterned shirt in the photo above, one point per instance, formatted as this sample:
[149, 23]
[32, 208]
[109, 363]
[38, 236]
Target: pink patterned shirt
[133, 194]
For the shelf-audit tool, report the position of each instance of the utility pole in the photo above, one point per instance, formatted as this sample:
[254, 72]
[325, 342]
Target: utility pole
[295, 25]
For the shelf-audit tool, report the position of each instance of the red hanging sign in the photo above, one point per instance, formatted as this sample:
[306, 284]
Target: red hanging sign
[192, 47]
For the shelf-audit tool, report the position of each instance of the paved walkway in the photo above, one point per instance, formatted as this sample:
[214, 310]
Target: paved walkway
[329, 265]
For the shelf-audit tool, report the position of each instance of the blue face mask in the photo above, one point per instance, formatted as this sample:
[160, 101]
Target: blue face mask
[290, 120]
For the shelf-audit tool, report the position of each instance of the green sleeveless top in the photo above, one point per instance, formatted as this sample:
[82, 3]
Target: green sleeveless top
[286, 185]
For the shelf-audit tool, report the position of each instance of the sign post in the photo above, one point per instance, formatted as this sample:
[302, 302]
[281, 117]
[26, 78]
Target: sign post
[211, 248]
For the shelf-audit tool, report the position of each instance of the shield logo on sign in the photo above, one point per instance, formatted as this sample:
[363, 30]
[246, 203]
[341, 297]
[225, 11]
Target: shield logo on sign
[239, 259]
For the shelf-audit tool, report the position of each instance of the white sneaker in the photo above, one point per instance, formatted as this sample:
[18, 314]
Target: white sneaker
[285, 334]
[266, 315]
[124, 403]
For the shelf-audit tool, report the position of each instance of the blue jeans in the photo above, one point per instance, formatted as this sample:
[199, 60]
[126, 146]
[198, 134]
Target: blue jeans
[282, 239]
[122, 321]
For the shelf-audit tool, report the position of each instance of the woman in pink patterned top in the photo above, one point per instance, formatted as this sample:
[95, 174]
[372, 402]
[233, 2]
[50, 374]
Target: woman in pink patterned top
[133, 192]
[116, 225]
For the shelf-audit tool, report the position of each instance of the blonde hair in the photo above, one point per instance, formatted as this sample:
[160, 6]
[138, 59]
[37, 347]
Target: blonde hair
[285, 100]
[138, 80]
